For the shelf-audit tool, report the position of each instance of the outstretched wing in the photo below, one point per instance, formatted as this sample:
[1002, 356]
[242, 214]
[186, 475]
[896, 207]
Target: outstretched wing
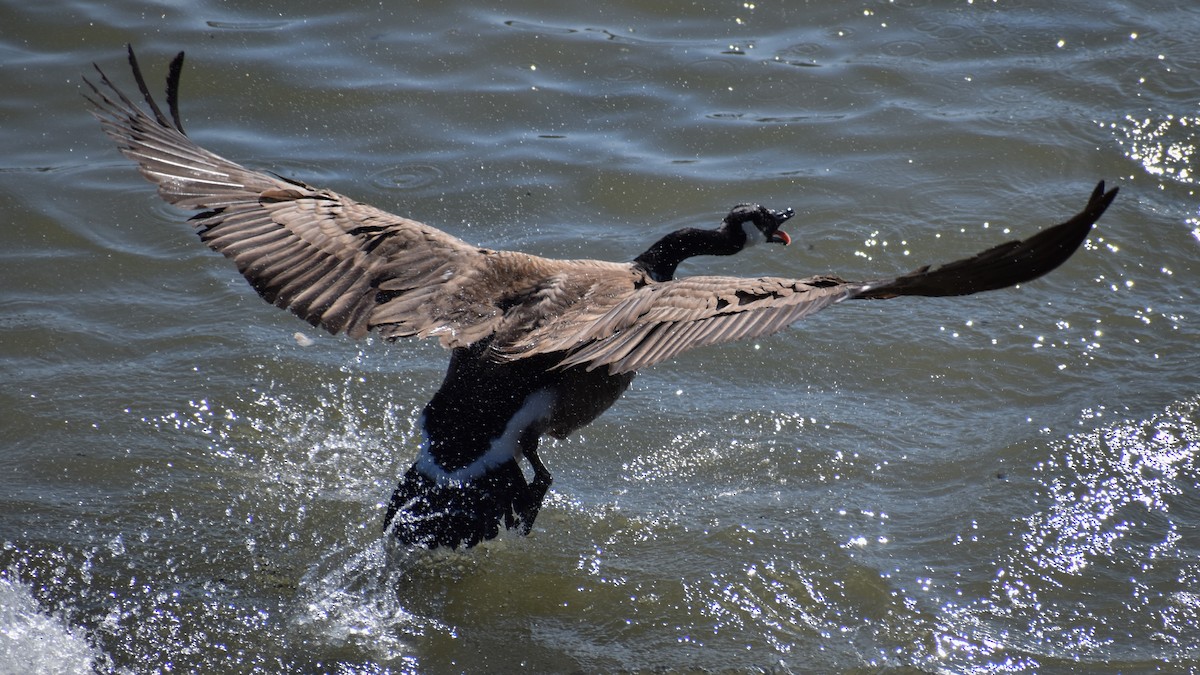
[659, 321]
[336, 263]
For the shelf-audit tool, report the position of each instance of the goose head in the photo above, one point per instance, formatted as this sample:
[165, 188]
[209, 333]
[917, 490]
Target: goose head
[754, 224]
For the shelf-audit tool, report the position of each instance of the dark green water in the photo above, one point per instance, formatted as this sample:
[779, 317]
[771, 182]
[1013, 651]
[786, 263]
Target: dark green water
[1001, 483]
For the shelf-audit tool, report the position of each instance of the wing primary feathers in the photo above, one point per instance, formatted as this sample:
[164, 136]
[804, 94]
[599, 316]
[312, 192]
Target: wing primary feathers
[1001, 266]
[141, 83]
[173, 75]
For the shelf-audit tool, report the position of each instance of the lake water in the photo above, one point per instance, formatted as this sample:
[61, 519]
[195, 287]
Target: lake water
[1001, 483]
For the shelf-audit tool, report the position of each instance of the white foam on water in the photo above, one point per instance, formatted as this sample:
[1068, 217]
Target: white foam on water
[33, 640]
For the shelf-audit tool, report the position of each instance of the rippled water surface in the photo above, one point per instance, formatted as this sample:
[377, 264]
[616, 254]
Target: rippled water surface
[1000, 483]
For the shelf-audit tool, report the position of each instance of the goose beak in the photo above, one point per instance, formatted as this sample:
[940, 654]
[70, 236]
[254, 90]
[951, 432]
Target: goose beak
[779, 236]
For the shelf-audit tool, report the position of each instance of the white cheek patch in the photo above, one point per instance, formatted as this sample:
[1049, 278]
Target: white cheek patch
[754, 236]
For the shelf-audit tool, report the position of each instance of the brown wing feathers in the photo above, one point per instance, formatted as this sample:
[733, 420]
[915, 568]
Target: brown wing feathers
[321, 255]
[349, 267]
[660, 321]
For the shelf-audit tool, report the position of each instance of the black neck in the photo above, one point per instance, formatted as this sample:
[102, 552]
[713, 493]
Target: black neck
[661, 259]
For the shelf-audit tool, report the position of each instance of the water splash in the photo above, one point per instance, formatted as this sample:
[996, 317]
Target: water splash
[208, 564]
[34, 641]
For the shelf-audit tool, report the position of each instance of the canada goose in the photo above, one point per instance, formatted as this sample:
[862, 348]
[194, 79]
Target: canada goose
[538, 346]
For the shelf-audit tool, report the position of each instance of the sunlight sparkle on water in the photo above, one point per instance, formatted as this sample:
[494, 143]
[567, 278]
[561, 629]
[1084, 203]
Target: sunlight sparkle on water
[1163, 145]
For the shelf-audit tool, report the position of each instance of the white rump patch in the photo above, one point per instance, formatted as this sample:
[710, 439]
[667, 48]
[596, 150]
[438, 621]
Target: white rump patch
[536, 408]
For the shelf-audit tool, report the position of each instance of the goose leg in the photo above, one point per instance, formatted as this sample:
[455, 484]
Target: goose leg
[528, 504]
